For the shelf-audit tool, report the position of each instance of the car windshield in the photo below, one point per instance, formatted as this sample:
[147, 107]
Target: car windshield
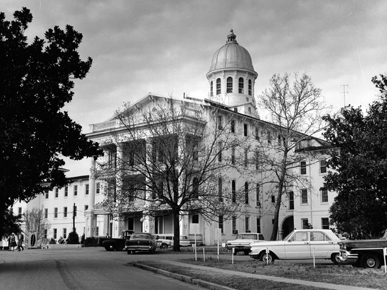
[247, 236]
[287, 237]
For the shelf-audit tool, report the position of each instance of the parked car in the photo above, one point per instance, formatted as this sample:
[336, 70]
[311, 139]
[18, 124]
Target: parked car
[118, 244]
[243, 241]
[144, 242]
[165, 241]
[299, 245]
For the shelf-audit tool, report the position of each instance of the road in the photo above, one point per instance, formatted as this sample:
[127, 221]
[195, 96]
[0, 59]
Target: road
[84, 268]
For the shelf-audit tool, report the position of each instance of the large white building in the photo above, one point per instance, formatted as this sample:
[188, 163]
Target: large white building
[231, 95]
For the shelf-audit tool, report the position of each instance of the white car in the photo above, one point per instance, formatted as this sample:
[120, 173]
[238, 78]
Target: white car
[243, 241]
[299, 245]
[165, 241]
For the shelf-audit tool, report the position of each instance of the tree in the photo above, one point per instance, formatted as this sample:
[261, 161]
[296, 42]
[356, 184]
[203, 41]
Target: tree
[36, 81]
[360, 166]
[171, 161]
[294, 106]
[35, 222]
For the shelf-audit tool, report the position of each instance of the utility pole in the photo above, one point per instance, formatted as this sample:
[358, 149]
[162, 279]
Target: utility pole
[74, 215]
[345, 91]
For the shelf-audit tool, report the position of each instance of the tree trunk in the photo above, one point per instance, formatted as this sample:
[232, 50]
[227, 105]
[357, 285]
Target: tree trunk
[176, 231]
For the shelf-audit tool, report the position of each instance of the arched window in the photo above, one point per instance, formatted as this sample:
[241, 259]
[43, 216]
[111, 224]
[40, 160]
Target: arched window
[195, 188]
[240, 85]
[233, 198]
[250, 88]
[218, 88]
[246, 193]
[212, 88]
[229, 85]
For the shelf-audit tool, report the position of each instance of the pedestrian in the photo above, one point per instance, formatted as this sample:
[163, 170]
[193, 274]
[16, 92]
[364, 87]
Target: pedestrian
[20, 242]
[12, 242]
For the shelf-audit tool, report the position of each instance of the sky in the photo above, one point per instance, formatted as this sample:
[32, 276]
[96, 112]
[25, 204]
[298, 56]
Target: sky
[165, 47]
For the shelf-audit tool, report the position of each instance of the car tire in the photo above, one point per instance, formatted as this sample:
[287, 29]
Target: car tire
[108, 248]
[267, 258]
[371, 261]
[130, 252]
[246, 252]
[164, 246]
[335, 258]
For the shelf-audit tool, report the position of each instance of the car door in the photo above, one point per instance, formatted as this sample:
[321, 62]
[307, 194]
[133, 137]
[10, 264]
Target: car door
[321, 245]
[297, 246]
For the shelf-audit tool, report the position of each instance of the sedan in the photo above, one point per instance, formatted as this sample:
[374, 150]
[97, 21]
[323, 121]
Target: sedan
[299, 245]
[144, 242]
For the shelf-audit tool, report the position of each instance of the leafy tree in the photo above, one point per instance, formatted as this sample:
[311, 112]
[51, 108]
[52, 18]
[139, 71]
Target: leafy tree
[360, 164]
[36, 81]
[170, 160]
[34, 221]
[294, 106]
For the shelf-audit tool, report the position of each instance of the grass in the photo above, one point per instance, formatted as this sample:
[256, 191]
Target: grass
[322, 273]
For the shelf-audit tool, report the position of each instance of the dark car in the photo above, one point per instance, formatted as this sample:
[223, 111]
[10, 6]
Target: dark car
[141, 242]
[118, 244]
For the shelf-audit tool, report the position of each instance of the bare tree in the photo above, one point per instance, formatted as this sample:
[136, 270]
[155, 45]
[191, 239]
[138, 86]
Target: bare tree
[295, 108]
[35, 222]
[171, 158]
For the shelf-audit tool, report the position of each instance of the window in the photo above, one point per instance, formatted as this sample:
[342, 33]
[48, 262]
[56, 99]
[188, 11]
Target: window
[303, 167]
[46, 213]
[218, 87]
[233, 155]
[279, 138]
[87, 189]
[229, 85]
[258, 225]
[195, 151]
[220, 190]
[325, 223]
[247, 224]
[245, 130]
[86, 207]
[19, 211]
[291, 200]
[212, 88]
[221, 223]
[268, 137]
[246, 159]
[256, 133]
[46, 195]
[55, 212]
[55, 233]
[232, 126]
[97, 231]
[258, 195]
[56, 192]
[75, 190]
[195, 188]
[240, 85]
[323, 166]
[45, 233]
[64, 233]
[246, 193]
[220, 145]
[304, 196]
[65, 212]
[305, 223]
[233, 197]
[97, 188]
[66, 193]
[233, 223]
[256, 159]
[220, 125]
[273, 199]
[195, 219]
[324, 195]
[112, 158]
[250, 88]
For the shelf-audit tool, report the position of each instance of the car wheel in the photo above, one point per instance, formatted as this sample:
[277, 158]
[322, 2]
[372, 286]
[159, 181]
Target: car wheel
[246, 252]
[164, 246]
[130, 252]
[108, 248]
[267, 258]
[371, 261]
[335, 258]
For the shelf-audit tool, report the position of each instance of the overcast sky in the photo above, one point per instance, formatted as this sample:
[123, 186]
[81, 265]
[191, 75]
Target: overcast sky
[165, 47]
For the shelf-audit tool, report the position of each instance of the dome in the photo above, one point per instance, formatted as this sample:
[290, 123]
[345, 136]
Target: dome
[231, 56]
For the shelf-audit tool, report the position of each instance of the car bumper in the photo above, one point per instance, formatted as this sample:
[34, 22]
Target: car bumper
[347, 257]
[138, 248]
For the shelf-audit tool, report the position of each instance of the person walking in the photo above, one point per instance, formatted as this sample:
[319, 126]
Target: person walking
[20, 242]
[12, 242]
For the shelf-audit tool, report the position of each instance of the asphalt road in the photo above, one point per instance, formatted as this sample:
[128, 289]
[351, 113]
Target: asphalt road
[84, 268]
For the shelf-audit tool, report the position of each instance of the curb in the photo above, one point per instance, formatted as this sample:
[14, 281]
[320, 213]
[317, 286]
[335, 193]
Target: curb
[183, 278]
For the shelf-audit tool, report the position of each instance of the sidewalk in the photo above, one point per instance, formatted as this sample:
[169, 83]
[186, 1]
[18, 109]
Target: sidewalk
[247, 275]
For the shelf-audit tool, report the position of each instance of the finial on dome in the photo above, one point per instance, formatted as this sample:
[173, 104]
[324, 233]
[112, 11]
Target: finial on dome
[231, 37]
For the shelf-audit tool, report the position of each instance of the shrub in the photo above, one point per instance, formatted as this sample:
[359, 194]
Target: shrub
[73, 238]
